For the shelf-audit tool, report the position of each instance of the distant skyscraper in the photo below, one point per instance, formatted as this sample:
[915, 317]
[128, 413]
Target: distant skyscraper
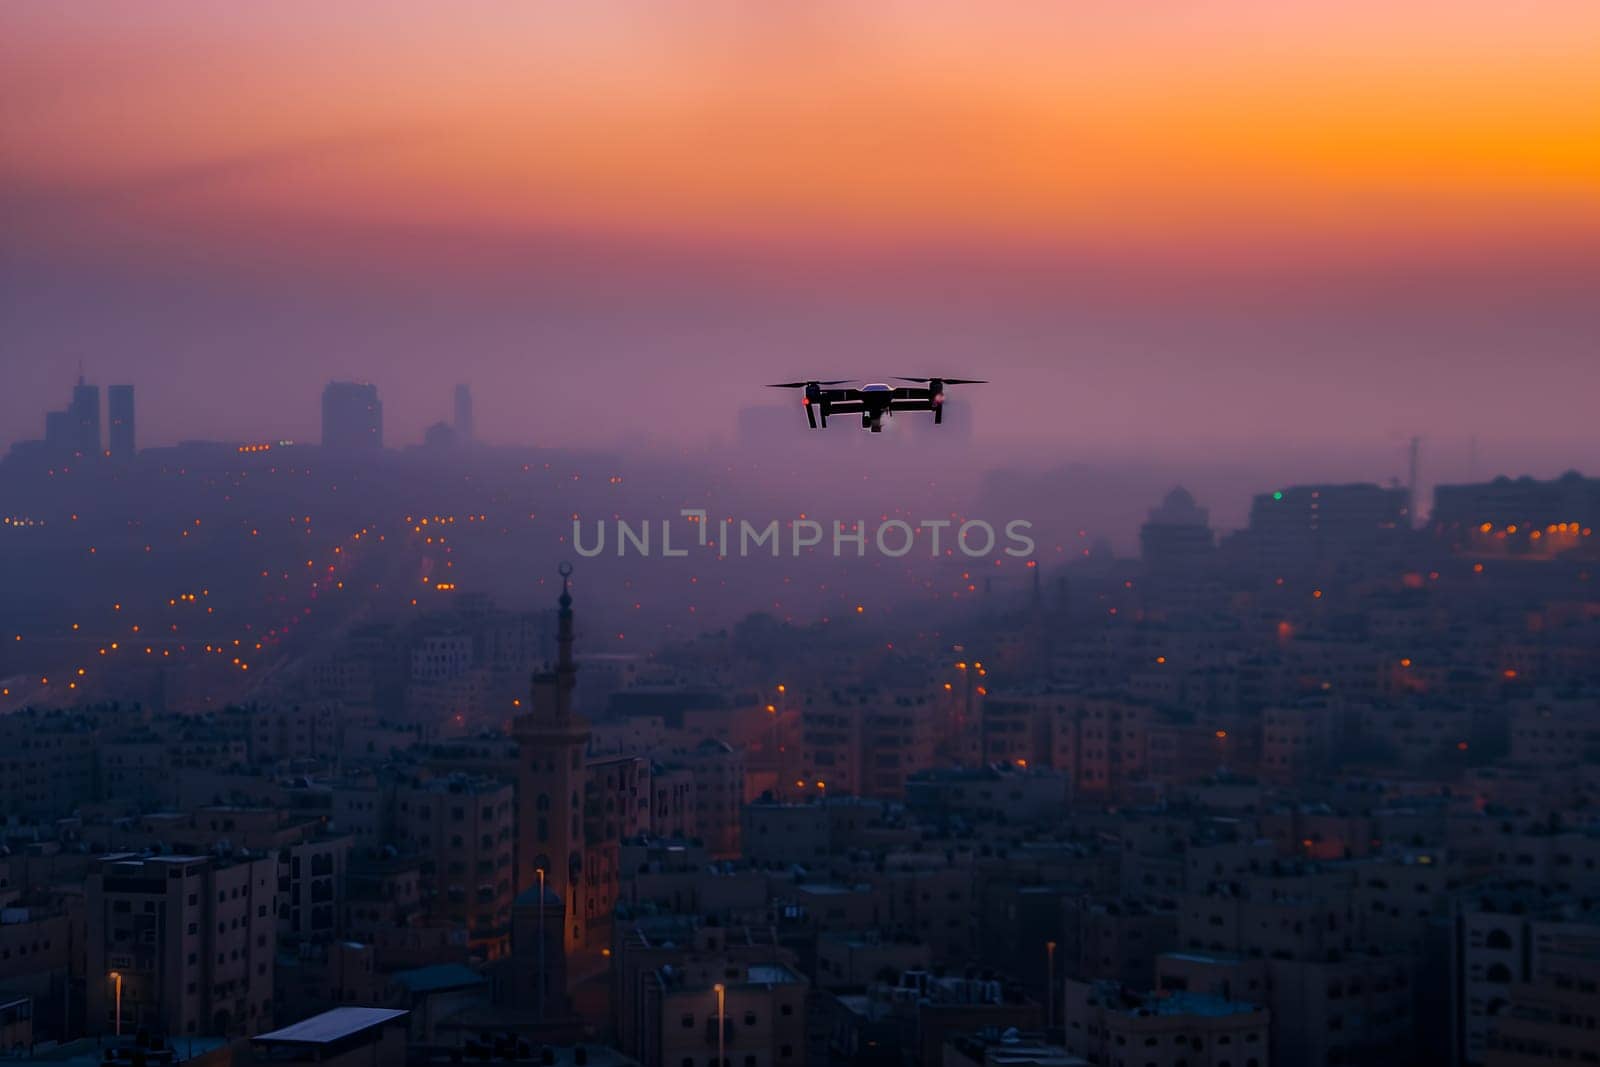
[119, 413]
[84, 415]
[352, 417]
[58, 433]
[1177, 535]
[463, 415]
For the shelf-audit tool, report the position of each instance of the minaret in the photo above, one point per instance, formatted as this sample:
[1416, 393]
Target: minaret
[552, 742]
[566, 672]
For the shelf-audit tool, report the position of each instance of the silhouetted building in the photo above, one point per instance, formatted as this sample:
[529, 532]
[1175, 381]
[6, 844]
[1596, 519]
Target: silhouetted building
[76, 428]
[119, 413]
[85, 418]
[1519, 516]
[440, 437]
[58, 430]
[463, 423]
[1177, 536]
[1310, 525]
[352, 417]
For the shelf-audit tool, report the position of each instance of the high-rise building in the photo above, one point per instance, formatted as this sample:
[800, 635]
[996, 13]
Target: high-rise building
[352, 417]
[119, 413]
[463, 422]
[85, 418]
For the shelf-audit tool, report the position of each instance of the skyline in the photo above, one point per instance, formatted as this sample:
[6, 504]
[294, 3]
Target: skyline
[766, 436]
[1156, 619]
[1324, 224]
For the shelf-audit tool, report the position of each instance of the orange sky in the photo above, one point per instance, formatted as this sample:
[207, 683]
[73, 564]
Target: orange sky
[1252, 219]
[1141, 123]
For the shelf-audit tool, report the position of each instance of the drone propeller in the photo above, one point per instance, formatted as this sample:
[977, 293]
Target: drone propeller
[802, 385]
[947, 381]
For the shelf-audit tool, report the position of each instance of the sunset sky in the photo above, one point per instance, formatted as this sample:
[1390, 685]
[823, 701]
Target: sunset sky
[1222, 220]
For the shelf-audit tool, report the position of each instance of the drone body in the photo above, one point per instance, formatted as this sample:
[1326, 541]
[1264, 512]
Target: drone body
[873, 400]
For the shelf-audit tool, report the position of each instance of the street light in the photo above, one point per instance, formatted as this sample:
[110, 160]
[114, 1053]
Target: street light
[541, 944]
[722, 992]
[1050, 966]
[116, 976]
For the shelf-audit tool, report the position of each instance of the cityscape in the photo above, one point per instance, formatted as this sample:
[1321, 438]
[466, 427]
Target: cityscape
[292, 773]
[840, 533]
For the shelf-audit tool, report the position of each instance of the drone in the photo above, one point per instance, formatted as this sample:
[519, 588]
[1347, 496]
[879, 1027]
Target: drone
[873, 400]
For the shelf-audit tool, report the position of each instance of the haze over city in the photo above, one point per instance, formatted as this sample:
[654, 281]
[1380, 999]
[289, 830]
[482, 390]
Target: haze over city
[1167, 230]
[850, 533]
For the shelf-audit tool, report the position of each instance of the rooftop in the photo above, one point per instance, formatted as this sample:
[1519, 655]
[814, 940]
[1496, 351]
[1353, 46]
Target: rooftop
[333, 1025]
[770, 974]
[437, 977]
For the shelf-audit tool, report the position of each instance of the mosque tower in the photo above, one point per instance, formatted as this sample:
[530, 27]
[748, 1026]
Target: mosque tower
[552, 742]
